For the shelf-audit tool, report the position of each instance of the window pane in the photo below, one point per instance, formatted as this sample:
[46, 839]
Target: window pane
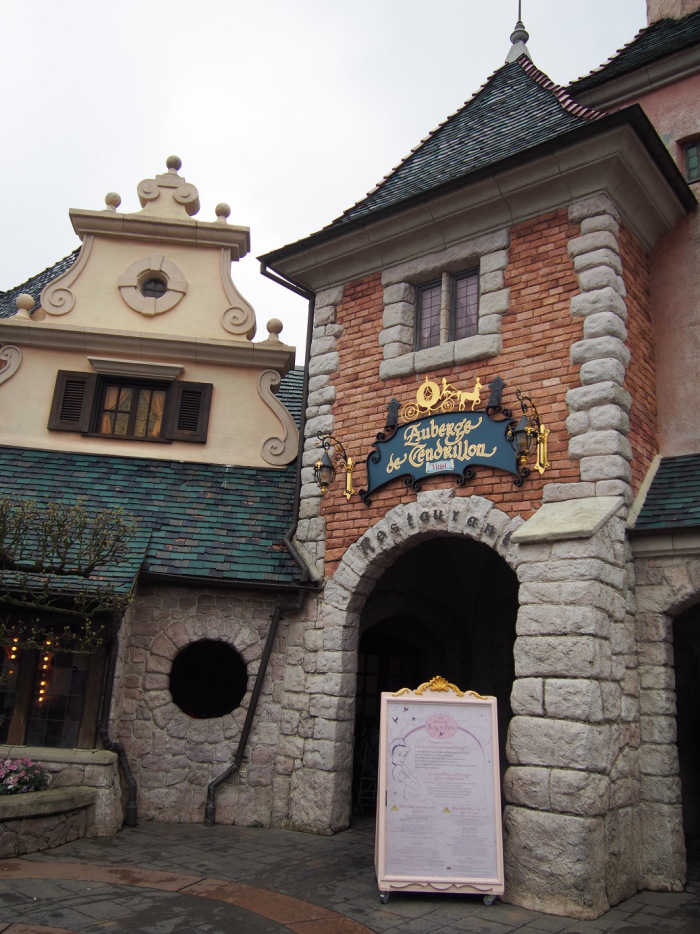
[428, 316]
[10, 664]
[149, 413]
[692, 165]
[57, 699]
[465, 305]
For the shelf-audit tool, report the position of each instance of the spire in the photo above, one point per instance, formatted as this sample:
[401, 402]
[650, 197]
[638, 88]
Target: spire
[519, 37]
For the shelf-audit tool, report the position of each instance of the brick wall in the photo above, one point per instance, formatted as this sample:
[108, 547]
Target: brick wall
[537, 334]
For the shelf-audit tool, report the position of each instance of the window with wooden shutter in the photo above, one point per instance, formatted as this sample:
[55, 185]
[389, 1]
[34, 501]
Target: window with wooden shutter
[130, 409]
[188, 411]
[73, 397]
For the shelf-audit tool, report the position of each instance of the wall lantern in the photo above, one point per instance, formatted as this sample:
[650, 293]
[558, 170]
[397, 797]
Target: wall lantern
[529, 435]
[325, 467]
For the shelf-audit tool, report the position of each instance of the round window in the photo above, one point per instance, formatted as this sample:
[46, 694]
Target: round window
[208, 679]
[154, 287]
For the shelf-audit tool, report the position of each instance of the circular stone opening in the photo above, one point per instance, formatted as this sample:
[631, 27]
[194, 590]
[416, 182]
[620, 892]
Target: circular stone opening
[154, 287]
[208, 679]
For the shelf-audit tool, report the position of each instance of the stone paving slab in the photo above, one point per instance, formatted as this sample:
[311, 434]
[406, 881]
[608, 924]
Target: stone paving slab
[180, 878]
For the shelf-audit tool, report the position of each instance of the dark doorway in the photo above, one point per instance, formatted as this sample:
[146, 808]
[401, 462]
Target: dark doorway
[446, 607]
[686, 650]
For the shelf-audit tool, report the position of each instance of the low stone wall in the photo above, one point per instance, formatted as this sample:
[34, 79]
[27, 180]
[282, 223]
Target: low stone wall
[92, 770]
[40, 820]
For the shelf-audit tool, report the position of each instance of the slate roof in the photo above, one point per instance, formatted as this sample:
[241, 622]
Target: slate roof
[35, 285]
[517, 109]
[673, 499]
[662, 38]
[206, 522]
[290, 393]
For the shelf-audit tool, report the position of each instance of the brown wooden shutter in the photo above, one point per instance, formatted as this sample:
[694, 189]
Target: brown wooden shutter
[188, 411]
[71, 408]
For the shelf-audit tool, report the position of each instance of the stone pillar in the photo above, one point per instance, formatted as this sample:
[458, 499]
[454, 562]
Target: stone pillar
[570, 845]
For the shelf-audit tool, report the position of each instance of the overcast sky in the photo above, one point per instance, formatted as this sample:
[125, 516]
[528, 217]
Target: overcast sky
[289, 110]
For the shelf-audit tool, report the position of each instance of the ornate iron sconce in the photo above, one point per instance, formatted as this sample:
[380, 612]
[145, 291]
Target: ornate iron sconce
[529, 435]
[325, 467]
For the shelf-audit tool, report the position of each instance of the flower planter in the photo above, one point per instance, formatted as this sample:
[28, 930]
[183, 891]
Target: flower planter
[39, 820]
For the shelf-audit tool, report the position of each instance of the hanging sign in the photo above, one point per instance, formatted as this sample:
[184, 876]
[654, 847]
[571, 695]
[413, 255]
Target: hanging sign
[442, 433]
[438, 803]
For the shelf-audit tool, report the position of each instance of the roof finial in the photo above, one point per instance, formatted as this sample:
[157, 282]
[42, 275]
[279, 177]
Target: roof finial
[519, 37]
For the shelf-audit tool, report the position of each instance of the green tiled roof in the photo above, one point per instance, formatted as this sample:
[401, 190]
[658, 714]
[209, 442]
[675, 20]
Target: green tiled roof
[205, 521]
[665, 37]
[673, 499]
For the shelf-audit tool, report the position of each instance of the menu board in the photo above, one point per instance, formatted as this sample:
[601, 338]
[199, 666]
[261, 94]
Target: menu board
[438, 807]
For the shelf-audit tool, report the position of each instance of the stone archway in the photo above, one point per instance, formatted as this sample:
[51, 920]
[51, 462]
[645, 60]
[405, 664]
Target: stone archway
[434, 513]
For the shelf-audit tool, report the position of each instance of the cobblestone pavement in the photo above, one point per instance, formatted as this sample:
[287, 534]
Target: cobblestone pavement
[182, 878]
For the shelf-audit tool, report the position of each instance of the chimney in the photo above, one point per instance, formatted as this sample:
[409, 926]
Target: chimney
[670, 9]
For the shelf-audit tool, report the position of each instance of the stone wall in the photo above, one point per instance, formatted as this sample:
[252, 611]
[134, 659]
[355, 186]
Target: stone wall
[41, 820]
[174, 757]
[94, 770]
[668, 582]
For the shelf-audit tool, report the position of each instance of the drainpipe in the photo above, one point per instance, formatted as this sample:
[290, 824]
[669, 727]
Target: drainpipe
[282, 608]
[130, 818]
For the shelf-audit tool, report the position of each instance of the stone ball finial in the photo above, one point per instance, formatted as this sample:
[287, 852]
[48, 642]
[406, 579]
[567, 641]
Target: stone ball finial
[174, 163]
[222, 211]
[274, 328]
[112, 200]
[25, 304]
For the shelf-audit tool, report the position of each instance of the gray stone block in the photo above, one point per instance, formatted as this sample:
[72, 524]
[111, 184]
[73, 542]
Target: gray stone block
[609, 417]
[577, 423]
[597, 258]
[657, 729]
[397, 334]
[564, 744]
[490, 262]
[593, 206]
[595, 443]
[399, 313]
[399, 366]
[592, 242]
[583, 398]
[400, 292]
[333, 296]
[326, 364]
[598, 300]
[396, 349]
[494, 303]
[600, 278]
[555, 863]
[608, 467]
[573, 699]
[490, 324]
[561, 656]
[534, 620]
[599, 348]
[527, 786]
[433, 358]
[527, 697]
[583, 793]
[600, 222]
[491, 282]
[562, 492]
[323, 345]
[604, 324]
[477, 347]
